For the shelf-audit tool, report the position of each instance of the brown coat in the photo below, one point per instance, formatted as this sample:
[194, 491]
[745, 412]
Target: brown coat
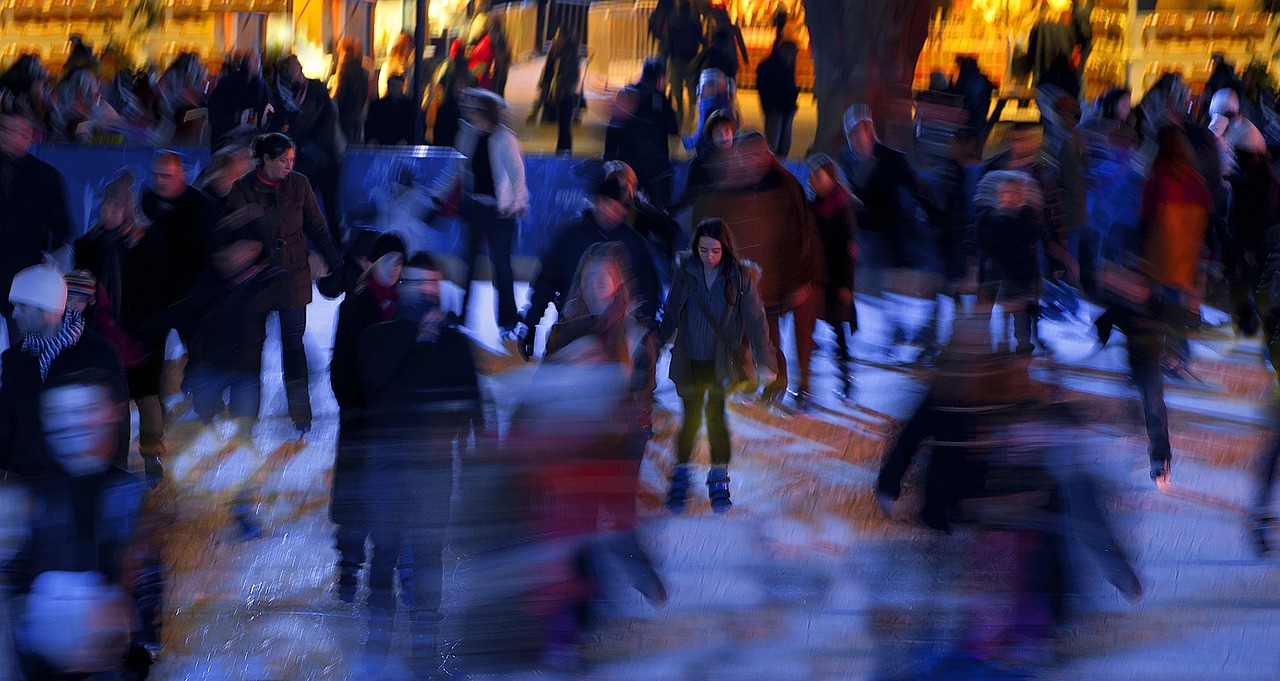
[774, 227]
[290, 219]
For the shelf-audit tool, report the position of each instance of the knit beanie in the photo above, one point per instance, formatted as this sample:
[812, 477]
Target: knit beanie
[40, 286]
[81, 283]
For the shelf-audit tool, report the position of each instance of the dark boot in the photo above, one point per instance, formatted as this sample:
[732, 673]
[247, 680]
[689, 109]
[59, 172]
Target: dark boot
[299, 395]
[678, 494]
[153, 463]
[349, 566]
[718, 489]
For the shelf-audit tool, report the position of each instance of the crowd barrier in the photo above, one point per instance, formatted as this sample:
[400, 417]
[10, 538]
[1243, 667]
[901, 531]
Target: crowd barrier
[558, 186]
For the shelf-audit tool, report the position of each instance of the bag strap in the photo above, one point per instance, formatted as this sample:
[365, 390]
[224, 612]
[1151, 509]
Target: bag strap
[715, 324]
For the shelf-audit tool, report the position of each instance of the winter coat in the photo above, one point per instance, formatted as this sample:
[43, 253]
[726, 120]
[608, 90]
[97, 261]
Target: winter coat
[390, 121]
[114, 539]
[128, 263]
[773, 226]
[641, 140]
[234, 94]
[421, 393]
[34, 217]
[889, 191]
[291, 219]
[776, 83]
[579, 337]
[351, 96]
[837, 220]
[1009, 244]
[227, 319]
[743, 322]
[357, 312]
[312, 124]
[559, 263]
[510, 191]
[684, 36]
[187, 223]
[1255, 208]
[350, 498]
[22, 448]
[1175, 219]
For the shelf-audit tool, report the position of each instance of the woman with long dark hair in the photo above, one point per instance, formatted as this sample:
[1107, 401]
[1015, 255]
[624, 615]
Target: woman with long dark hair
[715, 306]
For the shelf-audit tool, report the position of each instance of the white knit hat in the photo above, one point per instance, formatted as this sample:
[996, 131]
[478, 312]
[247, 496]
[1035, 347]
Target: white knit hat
[40, 286]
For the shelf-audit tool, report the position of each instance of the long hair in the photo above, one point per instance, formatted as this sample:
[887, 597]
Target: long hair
[612, 254]
[715, 228]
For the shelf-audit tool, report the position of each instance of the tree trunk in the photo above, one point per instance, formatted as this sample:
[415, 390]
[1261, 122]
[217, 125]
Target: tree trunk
[865, 51]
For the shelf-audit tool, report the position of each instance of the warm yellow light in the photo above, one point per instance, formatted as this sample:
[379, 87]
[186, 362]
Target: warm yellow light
[315, 63]
[993, 10]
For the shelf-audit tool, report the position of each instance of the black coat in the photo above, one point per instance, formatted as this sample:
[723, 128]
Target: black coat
[351, 97]
[559, 263]
[22, 448]
[776, 83]
[314, 127]
[136, 276]
[187, 224]
[420, 393]
[227, 320]
[684, 37]
[34, 217]
[235, 94]
[640, 141]
[357, 312]
[886, 195]
[92, 523]
[293, 224]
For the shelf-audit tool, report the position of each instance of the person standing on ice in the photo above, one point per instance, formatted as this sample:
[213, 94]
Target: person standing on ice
[352, 506]
[290, 220]
[421, 388]
[86, 587]
[835, 209]
[712, 312]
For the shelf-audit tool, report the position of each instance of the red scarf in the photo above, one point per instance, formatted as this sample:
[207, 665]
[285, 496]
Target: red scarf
[384, 296]
[833, 203]
[262, 177]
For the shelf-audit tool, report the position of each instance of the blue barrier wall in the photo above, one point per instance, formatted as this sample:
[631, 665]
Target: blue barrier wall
[557, 186]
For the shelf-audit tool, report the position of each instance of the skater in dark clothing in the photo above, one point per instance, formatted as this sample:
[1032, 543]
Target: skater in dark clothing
[51, 341]
[1009, 234]
[226, 317]
[422, 390]
[283, 206]
[88, 581]
[350, 508]
[604, 221]
[776, 83]
[835, 208]
[34, 217]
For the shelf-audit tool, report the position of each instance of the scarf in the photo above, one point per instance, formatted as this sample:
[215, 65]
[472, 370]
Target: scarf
[384, 296]
[262, 177]
[48, 349]
[833, 203]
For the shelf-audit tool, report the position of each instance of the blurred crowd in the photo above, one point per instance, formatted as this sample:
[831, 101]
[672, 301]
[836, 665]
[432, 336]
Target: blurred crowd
[1146, 210]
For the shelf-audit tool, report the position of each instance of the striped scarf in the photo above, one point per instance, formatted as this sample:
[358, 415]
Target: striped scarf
[48, 349]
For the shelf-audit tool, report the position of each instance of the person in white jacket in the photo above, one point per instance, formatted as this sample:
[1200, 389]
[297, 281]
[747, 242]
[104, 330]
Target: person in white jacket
[487, 189]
